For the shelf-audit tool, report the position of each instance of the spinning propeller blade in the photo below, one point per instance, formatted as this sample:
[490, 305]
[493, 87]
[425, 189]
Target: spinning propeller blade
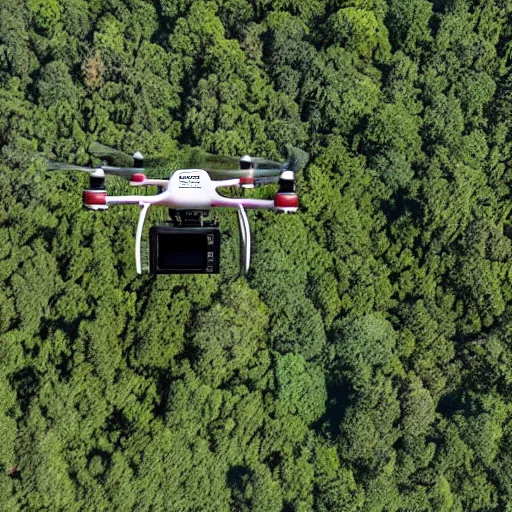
[297, 159]
[125, 172]
[259, 182]
[264, 171]
[260, 163]
[219, 167]
[196, 158]
[117, 158]
[113, 156]
[199, 159]
[58, 166]
[239, 173]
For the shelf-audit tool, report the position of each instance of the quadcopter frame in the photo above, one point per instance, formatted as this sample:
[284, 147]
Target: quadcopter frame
[194, 190]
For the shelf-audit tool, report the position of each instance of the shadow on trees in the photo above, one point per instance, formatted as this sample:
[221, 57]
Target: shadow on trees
[338, 399]
[118, 422]
[102, 455]
[273, 460]
[26, 384]
[399, 204]
[238, 477]
[163, 385]
[452, 403]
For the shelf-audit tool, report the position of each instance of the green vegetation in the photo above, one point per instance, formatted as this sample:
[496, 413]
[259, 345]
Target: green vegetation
[365, 363]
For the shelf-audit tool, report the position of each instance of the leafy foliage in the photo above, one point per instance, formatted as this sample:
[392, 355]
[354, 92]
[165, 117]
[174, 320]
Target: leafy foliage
[364, 363]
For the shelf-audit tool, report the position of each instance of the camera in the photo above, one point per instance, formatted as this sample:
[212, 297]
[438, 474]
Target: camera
[184, 249]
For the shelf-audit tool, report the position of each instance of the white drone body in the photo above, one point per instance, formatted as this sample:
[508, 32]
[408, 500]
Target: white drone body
[193, 189]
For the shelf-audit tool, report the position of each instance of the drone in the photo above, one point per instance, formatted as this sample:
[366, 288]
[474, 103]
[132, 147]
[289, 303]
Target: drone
[187, 243]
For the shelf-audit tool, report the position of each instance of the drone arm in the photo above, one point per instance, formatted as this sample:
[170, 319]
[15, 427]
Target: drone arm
[227, 202]
[140, 200]
[150, 182]
[227, 183]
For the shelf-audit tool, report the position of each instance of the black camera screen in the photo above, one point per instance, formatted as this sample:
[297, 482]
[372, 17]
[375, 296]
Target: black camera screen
[184, 250]
[177, 251]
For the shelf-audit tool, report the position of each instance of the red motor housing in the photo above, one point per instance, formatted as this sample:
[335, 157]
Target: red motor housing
[137, 178]
[95, 199]
[286, 201]
[247, 182]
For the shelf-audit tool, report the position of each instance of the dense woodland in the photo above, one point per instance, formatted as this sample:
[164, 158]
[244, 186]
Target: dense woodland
[365, 363]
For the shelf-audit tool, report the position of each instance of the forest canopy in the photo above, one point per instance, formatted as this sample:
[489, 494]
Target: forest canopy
[364, 363]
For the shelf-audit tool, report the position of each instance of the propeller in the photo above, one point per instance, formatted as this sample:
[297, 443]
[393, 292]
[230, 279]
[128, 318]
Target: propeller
[267, 170]
[117, 158]
[297, 159]
[240, 173]
[57, 166]
[196, 158]
[125, 172]
[113, 156]
[260, 182]
[219, 167]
